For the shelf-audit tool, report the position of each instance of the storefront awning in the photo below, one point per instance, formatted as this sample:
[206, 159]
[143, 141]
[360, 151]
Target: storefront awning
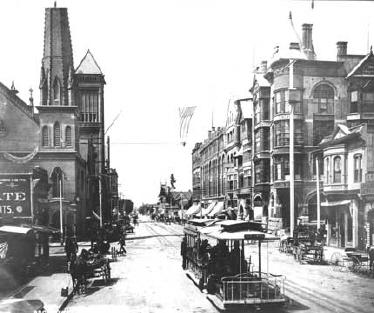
[208, 209]
[217, 209]
[194, 209]
[15, 230]
[335, 203]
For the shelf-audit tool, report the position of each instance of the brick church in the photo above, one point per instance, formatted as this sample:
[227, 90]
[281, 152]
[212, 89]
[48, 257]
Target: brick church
[56, 146]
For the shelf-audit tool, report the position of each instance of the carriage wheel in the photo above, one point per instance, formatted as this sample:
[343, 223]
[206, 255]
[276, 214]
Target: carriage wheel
[336, 261]
[355, 265]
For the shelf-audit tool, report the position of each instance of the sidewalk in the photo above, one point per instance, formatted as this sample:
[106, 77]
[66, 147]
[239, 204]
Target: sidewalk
[47, 286]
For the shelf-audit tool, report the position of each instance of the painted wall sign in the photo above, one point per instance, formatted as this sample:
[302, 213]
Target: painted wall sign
[15, 195]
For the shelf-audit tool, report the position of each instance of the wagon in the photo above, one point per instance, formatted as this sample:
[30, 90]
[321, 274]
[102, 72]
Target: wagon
[306, 247]
[88, 267]
[350, 260]
[98, 267]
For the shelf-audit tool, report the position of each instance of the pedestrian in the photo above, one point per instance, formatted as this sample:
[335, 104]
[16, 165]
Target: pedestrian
[184, 252]
[370, 251]
[71, 249]
[122, 243]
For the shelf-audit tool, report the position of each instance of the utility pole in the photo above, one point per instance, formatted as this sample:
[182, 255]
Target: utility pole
[100, 203]
[318, 196]
[61, 219]
[292, 168]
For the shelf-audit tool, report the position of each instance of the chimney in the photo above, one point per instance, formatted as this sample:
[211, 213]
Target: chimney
[263, 66]
[341, 49]
[307, 41]
[209, 134]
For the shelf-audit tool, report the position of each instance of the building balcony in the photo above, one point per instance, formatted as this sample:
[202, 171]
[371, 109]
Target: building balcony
[360, 116]
[335, 187]
[285, 183]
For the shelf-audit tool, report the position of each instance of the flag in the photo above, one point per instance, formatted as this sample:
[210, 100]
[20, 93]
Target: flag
[312, 4]
[3, 250]
[185, 115]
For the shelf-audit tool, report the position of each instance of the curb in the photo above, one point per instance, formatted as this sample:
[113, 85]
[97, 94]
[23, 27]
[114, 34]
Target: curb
[66, 301]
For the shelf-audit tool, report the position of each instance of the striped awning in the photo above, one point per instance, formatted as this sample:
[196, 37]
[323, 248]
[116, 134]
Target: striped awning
[208, 209]
[194, 209]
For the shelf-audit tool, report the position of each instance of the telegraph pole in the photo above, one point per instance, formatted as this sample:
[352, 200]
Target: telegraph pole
[292, 168]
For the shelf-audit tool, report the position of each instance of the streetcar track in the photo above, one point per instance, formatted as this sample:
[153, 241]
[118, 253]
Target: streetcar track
[295, 288]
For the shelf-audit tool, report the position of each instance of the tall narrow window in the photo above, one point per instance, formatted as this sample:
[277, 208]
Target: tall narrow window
[45, 136]
[327, 170]
[358, 168]
[354, 101]
[56, 135]
[56, 92]
[57, 182]
[337, 170]
[324, 97]
[68, 136]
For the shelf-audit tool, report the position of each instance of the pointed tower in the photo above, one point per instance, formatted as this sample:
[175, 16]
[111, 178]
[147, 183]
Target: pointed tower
[57, 59]
[89, 81]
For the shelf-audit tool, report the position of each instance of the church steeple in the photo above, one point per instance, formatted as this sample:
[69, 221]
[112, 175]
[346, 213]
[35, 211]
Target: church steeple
[57, 58]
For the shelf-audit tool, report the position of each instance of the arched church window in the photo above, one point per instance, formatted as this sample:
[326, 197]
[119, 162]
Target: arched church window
[56, 135]
[68, 136]
[45, 140]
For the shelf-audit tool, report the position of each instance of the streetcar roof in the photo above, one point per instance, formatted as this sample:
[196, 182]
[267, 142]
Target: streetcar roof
[253, 235]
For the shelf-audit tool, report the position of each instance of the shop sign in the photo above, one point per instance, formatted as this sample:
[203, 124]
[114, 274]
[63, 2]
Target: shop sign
[15, 196]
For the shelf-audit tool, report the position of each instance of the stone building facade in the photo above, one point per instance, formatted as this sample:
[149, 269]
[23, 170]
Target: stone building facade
[64, 134]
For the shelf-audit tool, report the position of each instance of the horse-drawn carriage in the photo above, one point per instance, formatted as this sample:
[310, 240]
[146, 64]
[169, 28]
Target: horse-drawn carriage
[86, 266]
[307, 244]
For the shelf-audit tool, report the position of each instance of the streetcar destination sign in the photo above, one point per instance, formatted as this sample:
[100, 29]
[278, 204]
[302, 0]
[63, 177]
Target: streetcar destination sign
[15, 195]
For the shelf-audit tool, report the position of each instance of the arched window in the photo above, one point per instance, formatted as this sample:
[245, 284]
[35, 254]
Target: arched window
[56, 135]
[57, 180]
[45, 136]
[337, 170]
[56, 92]
[68, 136]
[358, 168]
[324, 97]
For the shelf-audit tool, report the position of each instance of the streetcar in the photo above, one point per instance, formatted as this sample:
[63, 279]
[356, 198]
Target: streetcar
[221, 260]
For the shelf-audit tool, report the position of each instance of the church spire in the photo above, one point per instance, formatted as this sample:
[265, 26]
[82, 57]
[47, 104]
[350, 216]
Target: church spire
[57, 57]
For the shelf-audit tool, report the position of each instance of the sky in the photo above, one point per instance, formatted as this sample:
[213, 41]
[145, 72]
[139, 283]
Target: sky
[158, 56]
